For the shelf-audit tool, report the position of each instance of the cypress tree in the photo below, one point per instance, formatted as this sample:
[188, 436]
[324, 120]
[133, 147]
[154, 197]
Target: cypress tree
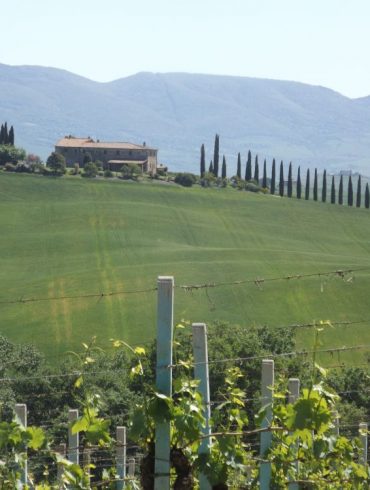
[358, 195]
[248, 168]
[299, 184]
[307, 190]
[290, 181]
[340, 193]
[315, 186]
[2, 135]
[350, 192]
[11, 136]
[223, 169]
[323, 190]
[6, 136]
[281, 179]
[202, 161]
[273, 177]
[216, 155]
[256, 170]
[332, 194]
[210, 168]
[239, 168]
[367, 196]
[264, 178]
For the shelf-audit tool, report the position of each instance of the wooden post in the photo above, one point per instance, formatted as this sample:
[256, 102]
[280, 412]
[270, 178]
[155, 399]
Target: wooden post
[267, 384]
[121, 457]
[164, 379]
[87, 462]
[363, 427]
[200, 351]
[61, 449]
[293, 387]
[73, 439]
[335, 423]
[131, 468]
[21, 419]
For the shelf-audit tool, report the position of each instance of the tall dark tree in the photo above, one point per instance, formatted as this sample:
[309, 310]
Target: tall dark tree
[340, 192]
[290, 181]
[350, 192]
[11, 136]
[2, 139]
[273, 177]
[256, 170]
[307, 189]
[264, 178]
[202, 161]
[210, 168]
[223, 169]
[315, 186]
[248, 168]
[216, 155]
[281, 179]
[239, 167]
[299, 184]
[323, 190]
[332, 193]
[358, 195]
[367, 196]
[6, 135]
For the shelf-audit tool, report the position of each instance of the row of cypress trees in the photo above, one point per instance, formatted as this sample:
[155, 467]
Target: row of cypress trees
[253, 174]
[6, 137]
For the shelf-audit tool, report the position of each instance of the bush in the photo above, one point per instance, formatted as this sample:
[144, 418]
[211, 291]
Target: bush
[57, 163]
[185, 179]
[11, 154]
[108, 173]
[9, 167]
[90, 170]
[249, 186]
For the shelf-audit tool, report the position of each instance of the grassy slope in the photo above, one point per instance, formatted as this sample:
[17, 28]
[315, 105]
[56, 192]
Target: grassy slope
[75, 236]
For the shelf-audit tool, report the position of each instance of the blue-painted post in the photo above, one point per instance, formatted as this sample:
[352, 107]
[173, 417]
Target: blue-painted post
[293, 387]
[164, 379]
[200, 351]
[73, 439]
[363, 427]
[21, 419]
[121, 457]
[267, 383]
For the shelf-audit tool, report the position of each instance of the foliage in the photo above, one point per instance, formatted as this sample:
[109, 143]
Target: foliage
[11, 154]
[90, 170]
[130, 172]
[185, 179]
[57, 163]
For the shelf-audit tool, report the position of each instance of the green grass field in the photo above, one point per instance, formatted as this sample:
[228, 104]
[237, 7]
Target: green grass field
[71, 236]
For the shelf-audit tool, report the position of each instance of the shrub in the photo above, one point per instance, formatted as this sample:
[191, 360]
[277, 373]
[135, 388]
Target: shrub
[185, 179]
[57, 163]
[251, 187]
[90, 170]
[108, 173]
[9, 167]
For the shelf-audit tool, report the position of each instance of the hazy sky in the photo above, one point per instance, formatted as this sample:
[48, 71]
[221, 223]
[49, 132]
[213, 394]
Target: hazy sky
[323, 42]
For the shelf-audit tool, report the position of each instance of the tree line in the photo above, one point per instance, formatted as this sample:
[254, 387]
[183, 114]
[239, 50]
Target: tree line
[6, 136]
[283, 186]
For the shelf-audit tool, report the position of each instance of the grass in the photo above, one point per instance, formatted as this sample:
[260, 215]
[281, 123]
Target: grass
[70, 236]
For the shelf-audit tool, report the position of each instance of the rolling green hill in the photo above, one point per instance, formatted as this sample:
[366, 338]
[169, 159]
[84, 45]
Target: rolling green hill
[73, 236]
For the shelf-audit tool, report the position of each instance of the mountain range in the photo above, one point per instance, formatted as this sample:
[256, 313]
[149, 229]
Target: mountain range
[177, 112]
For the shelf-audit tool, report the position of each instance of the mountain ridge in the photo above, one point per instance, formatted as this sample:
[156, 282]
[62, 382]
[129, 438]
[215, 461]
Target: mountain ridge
[177, 112]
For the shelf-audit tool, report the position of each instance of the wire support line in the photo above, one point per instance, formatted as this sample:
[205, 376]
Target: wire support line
[271, 355]
[191, 287]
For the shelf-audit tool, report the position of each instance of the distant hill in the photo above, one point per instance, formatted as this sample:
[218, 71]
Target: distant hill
[176, 112]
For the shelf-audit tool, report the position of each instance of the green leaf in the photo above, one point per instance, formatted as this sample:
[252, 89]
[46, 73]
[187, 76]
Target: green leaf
[36, 437]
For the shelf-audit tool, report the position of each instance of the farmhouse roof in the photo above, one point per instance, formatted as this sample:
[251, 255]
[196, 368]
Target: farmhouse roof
[128, 162]
[72, 142]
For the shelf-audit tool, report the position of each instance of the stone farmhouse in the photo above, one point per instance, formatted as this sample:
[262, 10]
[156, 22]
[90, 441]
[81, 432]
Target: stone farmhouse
[113, 155]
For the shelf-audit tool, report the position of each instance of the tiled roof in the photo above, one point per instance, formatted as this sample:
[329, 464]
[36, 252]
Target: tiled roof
[128, 162]
[72, 142]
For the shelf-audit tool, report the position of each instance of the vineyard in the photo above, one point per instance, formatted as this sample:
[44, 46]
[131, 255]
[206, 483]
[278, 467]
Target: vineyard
[180, 438]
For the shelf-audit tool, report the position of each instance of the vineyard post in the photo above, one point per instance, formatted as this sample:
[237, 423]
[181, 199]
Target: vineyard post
[73, 439]
[336, 423]
[267, 382]
[131, 467]
[61, 449]
[87, 463]
[293, 387]
[200, 351]
[164, 379]
[363, 438]
[121, 456]
[21, 419]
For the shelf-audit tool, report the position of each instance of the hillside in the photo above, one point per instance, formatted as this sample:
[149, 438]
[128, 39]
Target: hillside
[73, 236]
[176, 112]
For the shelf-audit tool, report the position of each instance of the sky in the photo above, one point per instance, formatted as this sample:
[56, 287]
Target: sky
[321, 42]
